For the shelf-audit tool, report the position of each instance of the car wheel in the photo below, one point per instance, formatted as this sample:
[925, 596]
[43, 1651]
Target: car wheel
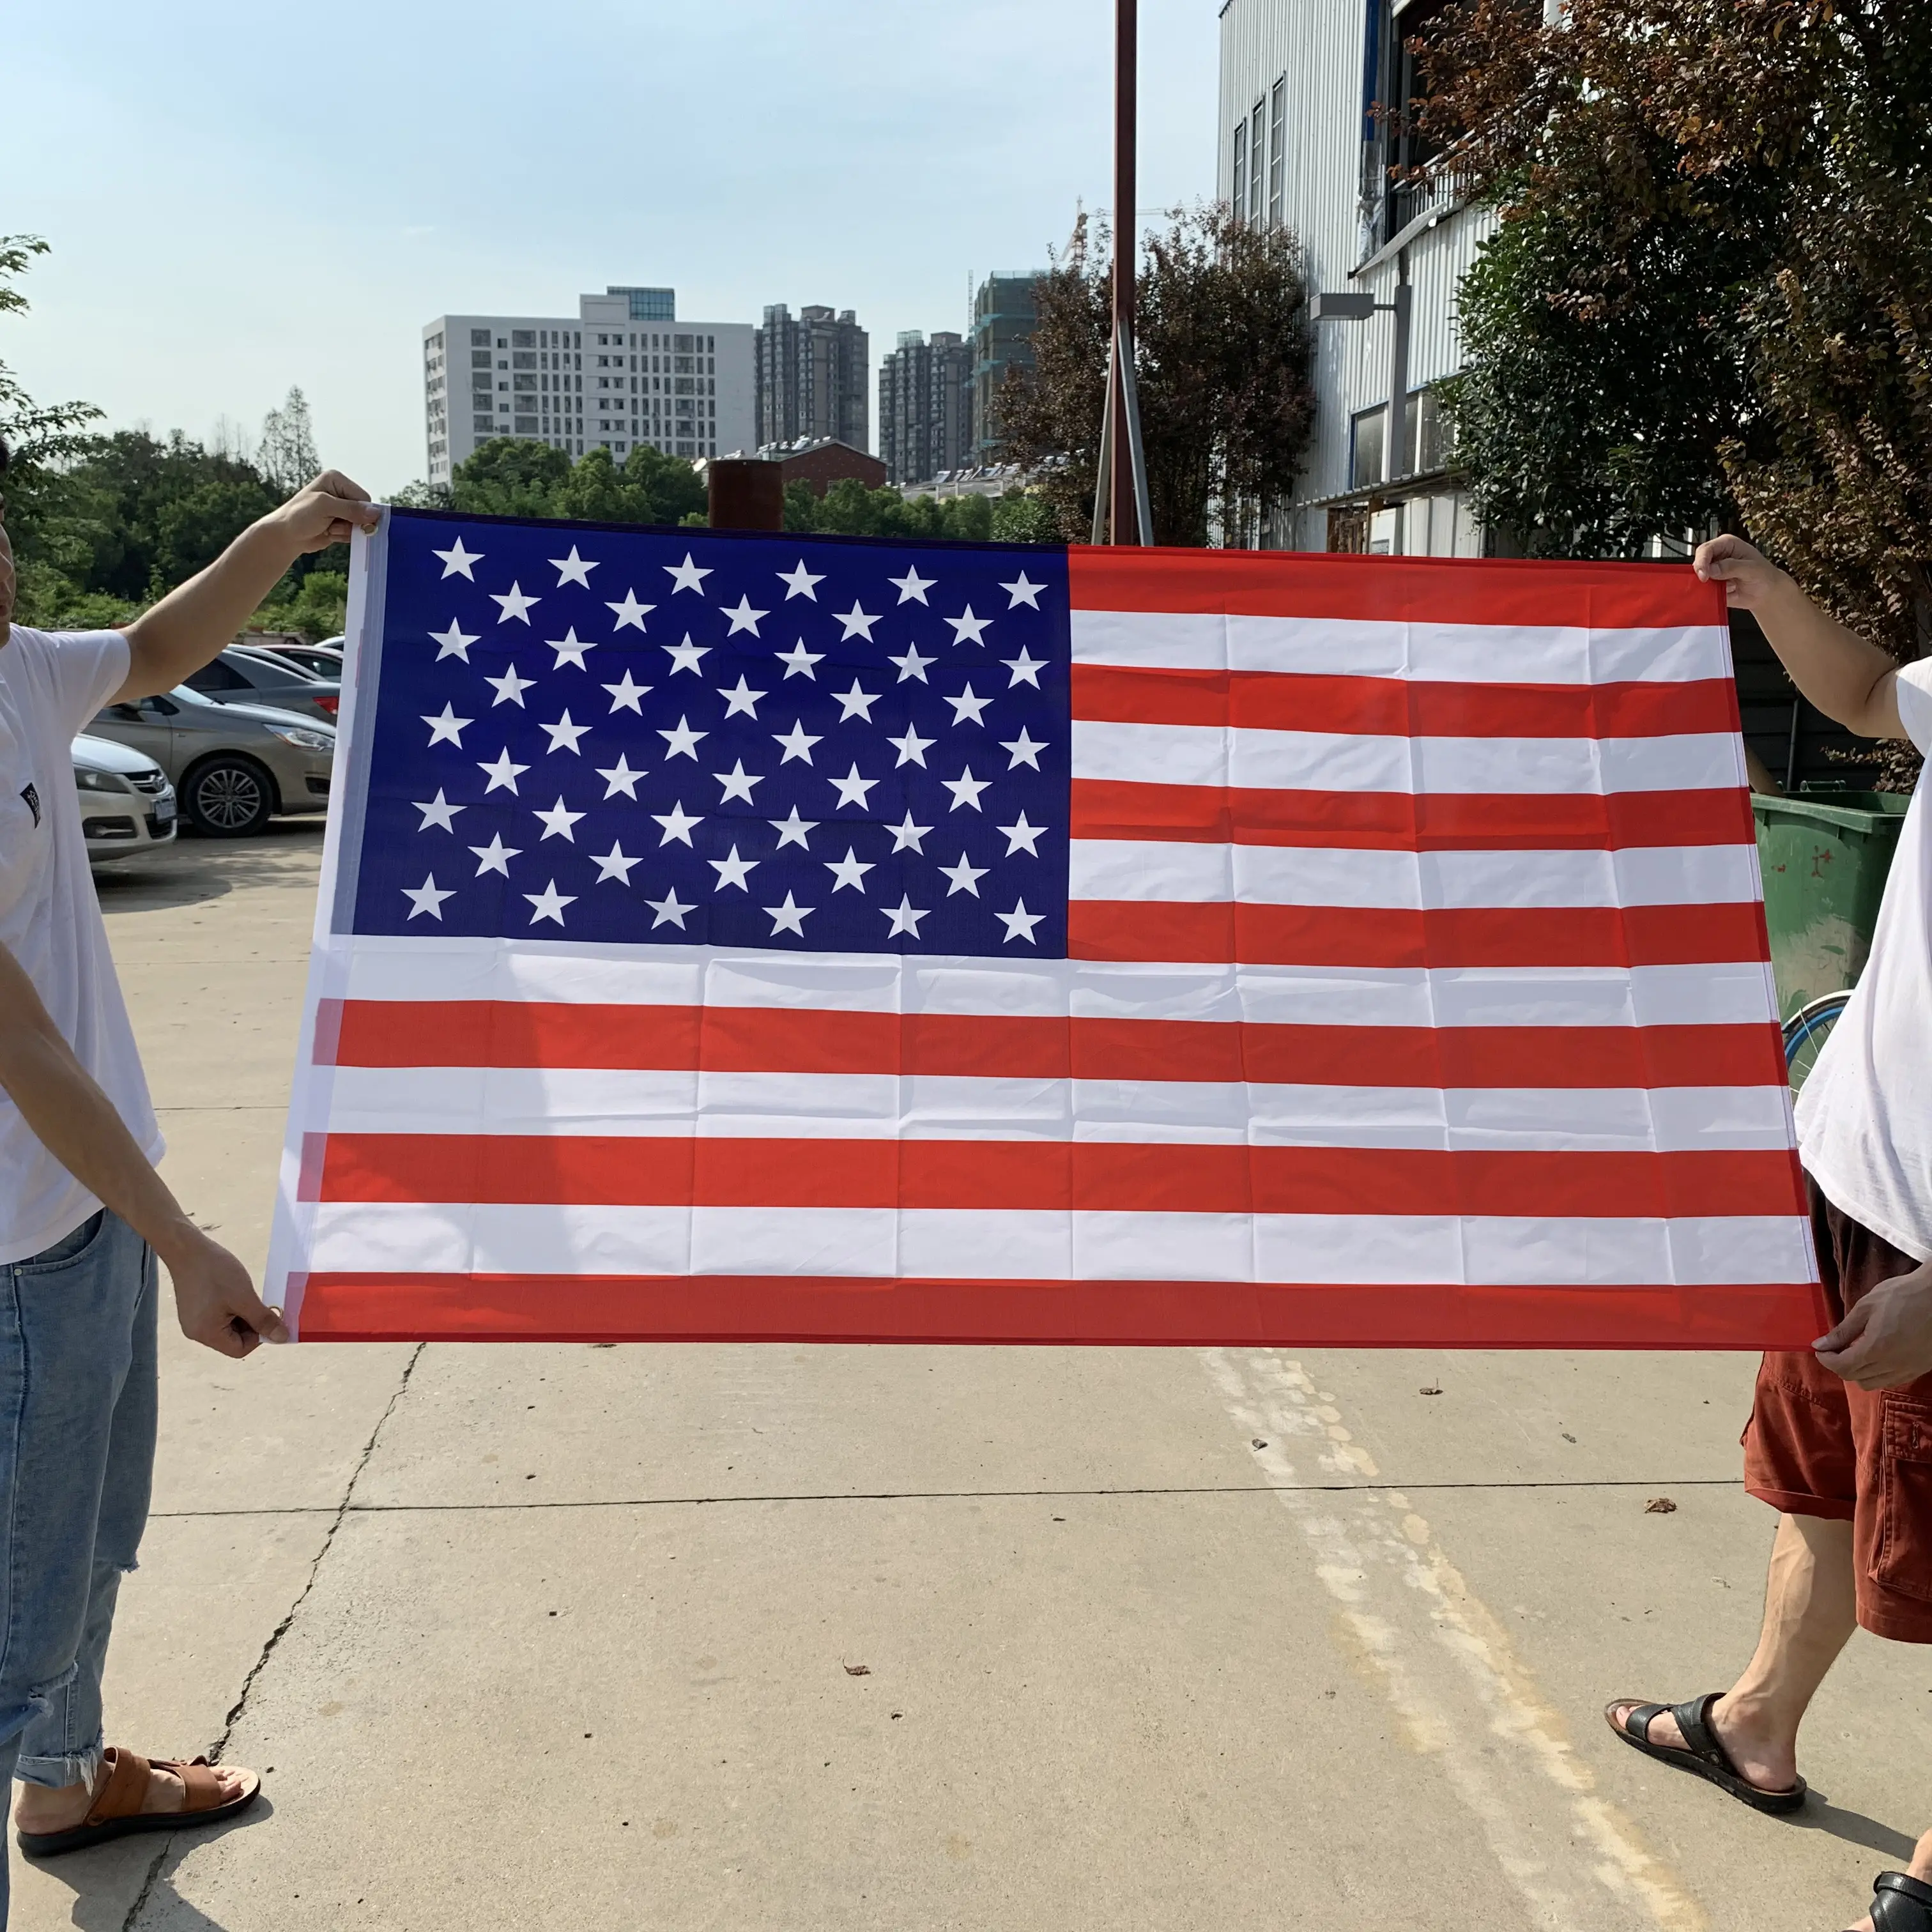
[228, 798]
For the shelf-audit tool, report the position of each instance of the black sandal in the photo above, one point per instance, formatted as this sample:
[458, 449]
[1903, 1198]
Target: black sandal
[1901, 1904]
[1705, 1756]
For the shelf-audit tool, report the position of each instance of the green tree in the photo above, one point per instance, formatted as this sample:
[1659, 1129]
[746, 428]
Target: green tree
[509, 477]
[1222, 354]
[286, 456]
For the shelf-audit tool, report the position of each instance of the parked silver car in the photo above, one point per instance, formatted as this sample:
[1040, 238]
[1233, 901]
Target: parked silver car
[234, 766]
[323, 660]
[127, 804]
[243, 674]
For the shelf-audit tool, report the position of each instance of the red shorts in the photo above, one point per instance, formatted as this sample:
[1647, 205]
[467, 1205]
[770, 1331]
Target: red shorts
[1816, 1445]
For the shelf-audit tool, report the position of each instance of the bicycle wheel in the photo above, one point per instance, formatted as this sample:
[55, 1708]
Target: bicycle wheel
[1806, 1032]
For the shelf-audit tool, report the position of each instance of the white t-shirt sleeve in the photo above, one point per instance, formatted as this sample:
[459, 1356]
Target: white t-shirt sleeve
[1914, 689]
[86, 668]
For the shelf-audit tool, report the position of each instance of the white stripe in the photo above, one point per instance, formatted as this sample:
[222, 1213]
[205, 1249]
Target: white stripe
[564, 1101]
[1320, 876]
[1341, 1250]
[1465, 653]
[573, 974]
[1219, 755]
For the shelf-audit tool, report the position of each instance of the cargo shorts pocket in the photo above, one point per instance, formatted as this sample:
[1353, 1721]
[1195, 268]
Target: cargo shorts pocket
[1902, 1552]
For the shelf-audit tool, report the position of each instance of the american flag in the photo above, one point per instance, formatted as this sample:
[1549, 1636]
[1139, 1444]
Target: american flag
[746, 936]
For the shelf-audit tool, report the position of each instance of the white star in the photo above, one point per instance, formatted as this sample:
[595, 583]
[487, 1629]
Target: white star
[682, 743]
[456, 562]
[439, 811]
[966, 702]
[967, 629]
[619, 778]
[1021, 592]
[912, 587]
[1025, 749]
[495, 857]
[797, 741]
[671, 909]
[684, 656]
[857, 624]
[798, 661]
[687, 576]
[563, 734]
[1025, 668]
[742, 701]
[1019, 922]
[614, 865]
[509, 688]
[570, 649]
[792, 829]
[503, 773]
[426, 897]
[903, 917]
[852, 789]
[550, 903]
[964, 876]
[966, 788]
[447, 729]
[912, 746]
[572, 569]
[624, 693]
[677, 824]
[856, 702]
[849, 871]
[907, 834]
[790, 917]
[737, 783]
[733, 870]
[557, 821]
[798, 582]
[743, 616]
[455, 642]
[1019, 834]
[513, 604]
[912, 664]
[629, 611]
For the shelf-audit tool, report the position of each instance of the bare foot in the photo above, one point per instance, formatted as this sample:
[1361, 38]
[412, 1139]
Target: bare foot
[1769, 1763]
[43, 1808]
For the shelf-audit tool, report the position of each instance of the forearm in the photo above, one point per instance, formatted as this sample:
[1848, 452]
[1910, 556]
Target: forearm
[175, 637]
[78, 1125]
[1839, 672]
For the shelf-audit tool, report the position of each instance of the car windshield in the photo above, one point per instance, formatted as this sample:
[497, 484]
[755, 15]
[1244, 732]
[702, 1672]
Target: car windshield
[182, 695]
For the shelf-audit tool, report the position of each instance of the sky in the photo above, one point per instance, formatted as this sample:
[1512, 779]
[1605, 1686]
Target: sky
[242, 196]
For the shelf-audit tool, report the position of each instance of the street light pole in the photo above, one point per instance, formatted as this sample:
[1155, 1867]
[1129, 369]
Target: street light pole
[1126, 64]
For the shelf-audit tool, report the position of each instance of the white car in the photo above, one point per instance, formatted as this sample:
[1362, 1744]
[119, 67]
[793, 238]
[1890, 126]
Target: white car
[127, 804]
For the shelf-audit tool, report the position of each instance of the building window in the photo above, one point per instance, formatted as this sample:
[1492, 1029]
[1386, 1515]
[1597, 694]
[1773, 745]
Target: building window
[1365, 448]
[479, 338]
[523, 338]
[1257, 147]
[1238, 198]
[1277, 148]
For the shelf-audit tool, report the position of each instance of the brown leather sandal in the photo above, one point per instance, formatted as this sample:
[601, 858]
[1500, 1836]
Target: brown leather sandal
[116, 1809]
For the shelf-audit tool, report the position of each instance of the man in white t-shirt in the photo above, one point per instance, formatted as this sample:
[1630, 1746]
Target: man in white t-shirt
[83, 1215]
[1840, 1439]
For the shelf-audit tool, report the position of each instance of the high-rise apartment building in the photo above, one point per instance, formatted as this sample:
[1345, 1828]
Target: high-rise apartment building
[925, 406]
[1005, 307]
[811, 376]
[624, 371]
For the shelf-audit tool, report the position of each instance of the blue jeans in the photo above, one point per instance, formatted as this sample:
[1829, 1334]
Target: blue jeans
[77, 1406]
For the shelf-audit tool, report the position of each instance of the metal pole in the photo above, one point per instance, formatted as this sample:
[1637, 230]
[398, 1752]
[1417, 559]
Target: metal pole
[1126, 64]
[1395, 460]
[1103, 478]
[1130, 415]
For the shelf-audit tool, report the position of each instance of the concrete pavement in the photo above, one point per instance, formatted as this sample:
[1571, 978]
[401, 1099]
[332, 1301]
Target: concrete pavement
[789, 1638]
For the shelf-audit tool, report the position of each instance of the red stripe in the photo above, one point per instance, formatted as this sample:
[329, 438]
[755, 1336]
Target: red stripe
[1221, 932]
[794, 1308]
[757, 1039]
[1431, 590]
[1401, 707]
[585, 1170]
[1387, 821]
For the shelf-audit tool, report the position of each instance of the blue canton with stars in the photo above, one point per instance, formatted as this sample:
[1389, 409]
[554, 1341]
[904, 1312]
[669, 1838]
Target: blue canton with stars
[693, 737]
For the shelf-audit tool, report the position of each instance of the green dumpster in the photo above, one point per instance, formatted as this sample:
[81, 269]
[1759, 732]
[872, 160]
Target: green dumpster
[1824, 857]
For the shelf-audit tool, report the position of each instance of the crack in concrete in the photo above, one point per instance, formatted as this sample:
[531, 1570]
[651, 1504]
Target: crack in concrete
[282, 1629]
